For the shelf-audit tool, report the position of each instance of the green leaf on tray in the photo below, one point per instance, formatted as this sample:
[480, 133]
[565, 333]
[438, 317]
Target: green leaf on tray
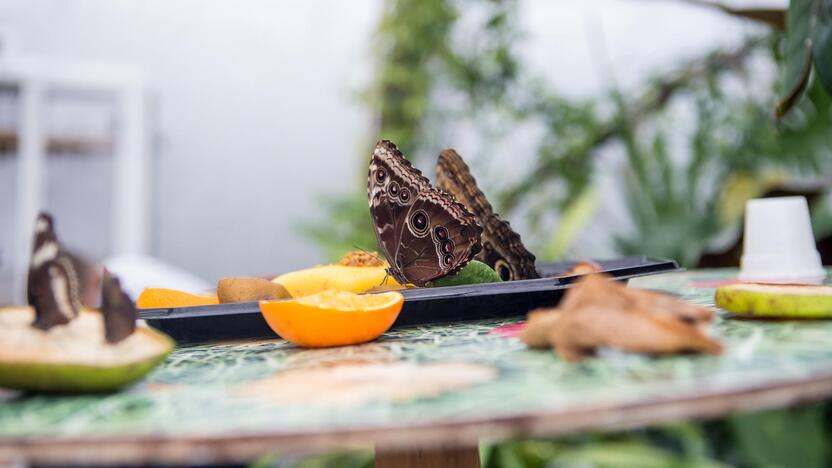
[474, 272]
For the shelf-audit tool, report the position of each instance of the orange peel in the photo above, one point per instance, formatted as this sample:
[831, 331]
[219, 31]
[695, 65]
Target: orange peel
[333, 318]
[155, 298]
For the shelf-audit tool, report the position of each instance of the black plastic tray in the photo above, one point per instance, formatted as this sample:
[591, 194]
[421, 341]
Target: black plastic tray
[421, 306]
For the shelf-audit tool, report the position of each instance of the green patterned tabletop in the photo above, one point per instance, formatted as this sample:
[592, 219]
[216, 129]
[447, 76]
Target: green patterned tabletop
[455, 383]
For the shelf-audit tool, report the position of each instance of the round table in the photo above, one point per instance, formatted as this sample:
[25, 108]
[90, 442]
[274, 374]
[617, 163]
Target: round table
[212, 402]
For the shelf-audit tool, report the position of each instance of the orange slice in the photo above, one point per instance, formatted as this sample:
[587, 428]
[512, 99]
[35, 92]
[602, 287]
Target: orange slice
[153, 298]
[333, 318]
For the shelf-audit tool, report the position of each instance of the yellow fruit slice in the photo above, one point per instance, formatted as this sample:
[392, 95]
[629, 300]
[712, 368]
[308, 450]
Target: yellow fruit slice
[73, 357]
[333, 318]
[776, 300]
[154, 298]
[355, 279]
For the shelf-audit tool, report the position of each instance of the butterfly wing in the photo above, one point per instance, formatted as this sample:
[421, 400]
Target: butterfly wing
[119, 312]
[405, 209]
[393, 184]
[52, 289]
[502, 248]
[439, 238]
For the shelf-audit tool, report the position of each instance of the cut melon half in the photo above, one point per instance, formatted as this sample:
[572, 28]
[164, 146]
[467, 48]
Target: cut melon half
[73, 357]
[776, 300]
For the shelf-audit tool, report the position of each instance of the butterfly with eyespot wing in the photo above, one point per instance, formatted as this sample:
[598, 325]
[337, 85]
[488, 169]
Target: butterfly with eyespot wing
[118, 310]
[53, 287]
[502, 248]
[422, 231]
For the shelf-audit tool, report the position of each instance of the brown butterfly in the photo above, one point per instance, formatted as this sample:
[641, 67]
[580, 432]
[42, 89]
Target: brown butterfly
[422, 231]
[53, 288]
[118, 310]
[502, 248]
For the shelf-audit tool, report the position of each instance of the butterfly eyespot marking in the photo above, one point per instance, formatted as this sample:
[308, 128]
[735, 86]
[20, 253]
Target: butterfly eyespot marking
[393, 188]
[447, 246]
[502, 269]
[380, 175]
[419, 221]
[448, 259]
[440, 232]
[405, 196]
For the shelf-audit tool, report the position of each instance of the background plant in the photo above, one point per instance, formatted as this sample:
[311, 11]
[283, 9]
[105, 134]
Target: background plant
[684, 187]
[678, 201]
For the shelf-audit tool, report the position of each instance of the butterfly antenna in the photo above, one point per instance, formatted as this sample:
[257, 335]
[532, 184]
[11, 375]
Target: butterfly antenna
[372, 254]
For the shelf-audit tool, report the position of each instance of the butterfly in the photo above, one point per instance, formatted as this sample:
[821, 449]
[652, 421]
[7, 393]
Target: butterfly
[53, 287]
[502, 248]
[118, 310]
[422, 231]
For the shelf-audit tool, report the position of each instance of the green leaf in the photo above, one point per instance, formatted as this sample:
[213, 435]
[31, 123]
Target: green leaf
[475, 272]
[625, 455]
[798, 54]
[575, 217]
[782, 438]
[822, 44]
[775, 17]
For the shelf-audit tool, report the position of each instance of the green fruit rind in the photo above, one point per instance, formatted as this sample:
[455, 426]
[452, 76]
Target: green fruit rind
[474, 272]
[775, 300]
[74, 377]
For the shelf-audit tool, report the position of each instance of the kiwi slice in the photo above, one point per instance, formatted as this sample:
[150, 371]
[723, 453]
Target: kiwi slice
[74, 357]
[230, 290]
[776, 300]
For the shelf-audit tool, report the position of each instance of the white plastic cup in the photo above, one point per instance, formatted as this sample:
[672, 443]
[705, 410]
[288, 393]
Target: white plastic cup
[779, 245]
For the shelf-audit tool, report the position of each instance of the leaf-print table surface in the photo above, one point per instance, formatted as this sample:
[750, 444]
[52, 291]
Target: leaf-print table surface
[192, 408]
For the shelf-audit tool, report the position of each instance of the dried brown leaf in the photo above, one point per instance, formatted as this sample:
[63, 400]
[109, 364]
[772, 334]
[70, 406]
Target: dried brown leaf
[598, 312]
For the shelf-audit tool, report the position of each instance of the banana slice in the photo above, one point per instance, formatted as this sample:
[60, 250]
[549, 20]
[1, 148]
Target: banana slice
[776, 300]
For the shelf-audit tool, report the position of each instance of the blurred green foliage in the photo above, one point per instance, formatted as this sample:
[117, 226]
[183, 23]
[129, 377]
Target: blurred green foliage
[786, 438]
[683, 187]
[808, 50]
[445, 61]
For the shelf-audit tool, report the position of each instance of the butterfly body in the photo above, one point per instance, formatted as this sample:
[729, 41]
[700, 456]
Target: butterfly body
[502, 248]
[422, 231]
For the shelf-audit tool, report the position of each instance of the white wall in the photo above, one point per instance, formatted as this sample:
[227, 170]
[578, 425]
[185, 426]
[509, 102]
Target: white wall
[256, 111]
[256, 103]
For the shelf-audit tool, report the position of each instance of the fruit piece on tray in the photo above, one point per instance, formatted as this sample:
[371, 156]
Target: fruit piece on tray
[776, 300]
[231, 290]
[356, 272]
[55, 345]
[599, 313]
[74, 357]
[474, 272]
[333, 318]
[154, 298]
[584, 267]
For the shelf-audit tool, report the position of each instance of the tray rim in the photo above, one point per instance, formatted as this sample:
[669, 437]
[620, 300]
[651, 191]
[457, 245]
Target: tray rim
[552, 283]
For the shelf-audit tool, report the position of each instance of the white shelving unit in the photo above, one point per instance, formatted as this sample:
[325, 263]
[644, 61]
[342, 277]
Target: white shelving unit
[35, 80]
